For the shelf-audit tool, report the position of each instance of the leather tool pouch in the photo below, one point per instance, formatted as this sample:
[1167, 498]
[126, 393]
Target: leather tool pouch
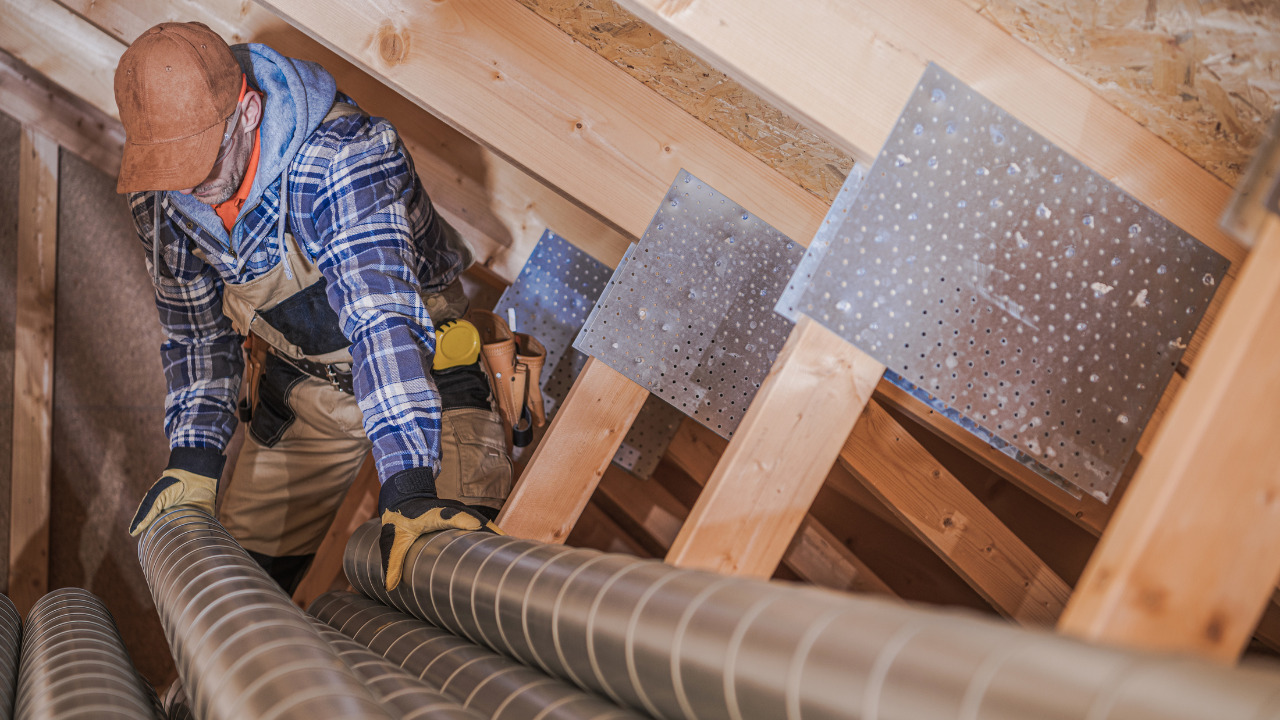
[272, 414]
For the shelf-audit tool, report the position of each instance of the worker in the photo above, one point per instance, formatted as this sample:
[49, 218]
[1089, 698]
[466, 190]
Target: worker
[272, 208]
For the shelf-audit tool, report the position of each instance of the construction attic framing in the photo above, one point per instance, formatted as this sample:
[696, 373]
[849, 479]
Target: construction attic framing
[476, 65]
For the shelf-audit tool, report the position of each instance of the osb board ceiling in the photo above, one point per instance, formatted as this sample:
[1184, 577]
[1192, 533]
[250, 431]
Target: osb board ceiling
[704, 92]
[1204, 76]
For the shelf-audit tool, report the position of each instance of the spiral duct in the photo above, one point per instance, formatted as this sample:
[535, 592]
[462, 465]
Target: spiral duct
[74, 664]
[243, 650]
[485, 682]
[10, 648]
[403, 695]
[688, 644]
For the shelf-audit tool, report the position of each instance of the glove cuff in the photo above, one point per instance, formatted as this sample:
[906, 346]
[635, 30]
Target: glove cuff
[201, 461]
[407, 485]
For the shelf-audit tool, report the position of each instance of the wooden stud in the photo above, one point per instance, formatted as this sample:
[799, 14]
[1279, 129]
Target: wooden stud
[1188, 562]
[496, 71]
[63, 46]
[75, 125]
[779, 456]
[1086, 511]
[573, 456]
[645, 509]
[816, 555]
[599, 531]
[358, 507]
[949, 519]
[37, 276]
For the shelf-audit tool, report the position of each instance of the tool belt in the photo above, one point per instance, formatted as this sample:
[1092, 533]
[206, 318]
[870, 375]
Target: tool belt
[256, 350]
[340, 379]
[513, 362]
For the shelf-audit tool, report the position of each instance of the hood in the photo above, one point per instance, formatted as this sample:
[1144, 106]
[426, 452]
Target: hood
[299, 94]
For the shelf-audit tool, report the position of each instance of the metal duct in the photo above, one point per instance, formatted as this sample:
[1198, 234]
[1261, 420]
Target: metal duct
[74, 664]
[690, 644]
[486, 683]
[403, 695]
[10, 646]
[242, 648]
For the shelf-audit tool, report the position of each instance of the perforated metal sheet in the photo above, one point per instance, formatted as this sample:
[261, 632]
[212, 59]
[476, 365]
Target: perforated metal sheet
[814, 254]
[554, 293]
[689, 314]
[1027, 292]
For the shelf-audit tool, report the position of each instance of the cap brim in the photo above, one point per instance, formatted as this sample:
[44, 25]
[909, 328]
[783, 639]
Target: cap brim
[174, 165]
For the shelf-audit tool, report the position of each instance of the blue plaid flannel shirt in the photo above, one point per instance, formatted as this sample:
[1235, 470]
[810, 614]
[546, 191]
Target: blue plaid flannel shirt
[357, 207]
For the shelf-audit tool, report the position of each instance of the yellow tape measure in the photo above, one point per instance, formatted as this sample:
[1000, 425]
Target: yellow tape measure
[457, 344]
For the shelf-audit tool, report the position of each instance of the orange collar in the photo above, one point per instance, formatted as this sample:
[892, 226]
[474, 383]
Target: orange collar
[229, 210]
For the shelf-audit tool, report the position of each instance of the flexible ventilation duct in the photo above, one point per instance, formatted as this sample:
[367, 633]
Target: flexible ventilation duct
[485, 682]
[242, 648]
[10, 647]
[403, 695]
[74, 664]
[689, 644]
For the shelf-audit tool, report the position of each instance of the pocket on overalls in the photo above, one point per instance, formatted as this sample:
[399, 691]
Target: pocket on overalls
[272, 416]
[473, 457]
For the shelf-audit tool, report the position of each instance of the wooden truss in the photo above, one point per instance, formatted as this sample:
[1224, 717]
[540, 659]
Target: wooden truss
[527, 118]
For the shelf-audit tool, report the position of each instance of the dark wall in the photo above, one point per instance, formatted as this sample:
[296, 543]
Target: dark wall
[10, 139]
[108, 434]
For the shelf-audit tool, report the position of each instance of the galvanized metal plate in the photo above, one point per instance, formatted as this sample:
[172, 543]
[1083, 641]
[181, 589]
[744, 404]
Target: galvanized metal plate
[647, 440]
[551, 298]
[998, 273]
[689, 313]
[817, 250]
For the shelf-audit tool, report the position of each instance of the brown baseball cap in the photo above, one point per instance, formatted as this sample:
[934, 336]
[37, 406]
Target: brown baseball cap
[176, 87]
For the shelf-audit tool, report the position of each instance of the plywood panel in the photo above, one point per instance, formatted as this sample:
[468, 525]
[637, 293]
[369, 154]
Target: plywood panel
[1202, 76]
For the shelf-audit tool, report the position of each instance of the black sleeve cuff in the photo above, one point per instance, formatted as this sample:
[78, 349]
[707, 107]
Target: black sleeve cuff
[201, 461]
[406, 485]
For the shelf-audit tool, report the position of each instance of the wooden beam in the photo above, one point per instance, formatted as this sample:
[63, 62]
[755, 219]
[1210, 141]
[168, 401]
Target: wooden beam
[37, 256]
[28, 97]
[358, 507]
[645, 509]
[495, 70]
[599, 531]
[816, 555]
[872, 54]
[949, 519]
[1188, 562]
[64, 47]
[789, 438]
[573, 456]
[1086, 511]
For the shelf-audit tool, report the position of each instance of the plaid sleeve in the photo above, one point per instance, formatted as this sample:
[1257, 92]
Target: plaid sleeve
[368, 258]
[201, 353]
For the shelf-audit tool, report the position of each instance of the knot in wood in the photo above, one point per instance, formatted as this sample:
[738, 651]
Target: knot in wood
[393, 44]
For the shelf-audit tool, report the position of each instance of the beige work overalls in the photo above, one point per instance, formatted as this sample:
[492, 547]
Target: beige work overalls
[281, 499]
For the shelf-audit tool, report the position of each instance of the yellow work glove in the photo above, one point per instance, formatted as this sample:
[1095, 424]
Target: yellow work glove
[414, 517]
[175, 487]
